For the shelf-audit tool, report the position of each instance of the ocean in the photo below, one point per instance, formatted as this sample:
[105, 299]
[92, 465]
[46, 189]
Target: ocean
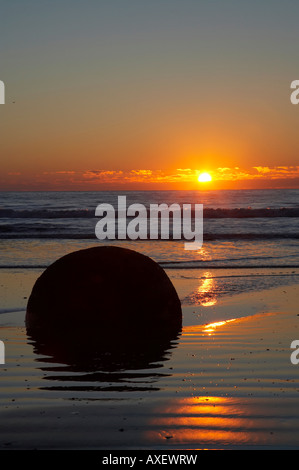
[241, 228]
[248, 230]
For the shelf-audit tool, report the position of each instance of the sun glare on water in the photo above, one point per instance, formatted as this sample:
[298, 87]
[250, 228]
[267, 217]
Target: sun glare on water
[204, 178]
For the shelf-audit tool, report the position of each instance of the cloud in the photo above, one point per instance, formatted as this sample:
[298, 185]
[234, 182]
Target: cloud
[142, 172]
[262, 169]
[183, 177]
[101, 175]
[278, 172]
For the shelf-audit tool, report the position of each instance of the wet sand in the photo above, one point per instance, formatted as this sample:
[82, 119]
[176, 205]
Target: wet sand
[226, 382]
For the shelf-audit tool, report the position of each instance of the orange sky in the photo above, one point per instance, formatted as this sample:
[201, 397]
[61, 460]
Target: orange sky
[180, 178]
[146, 95]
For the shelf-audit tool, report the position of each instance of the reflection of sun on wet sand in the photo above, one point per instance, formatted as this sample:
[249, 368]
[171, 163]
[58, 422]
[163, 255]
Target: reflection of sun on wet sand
[205, 291]
[204, 294]
[211, 327]
[201, 420]
[226, 381]
[242, 388]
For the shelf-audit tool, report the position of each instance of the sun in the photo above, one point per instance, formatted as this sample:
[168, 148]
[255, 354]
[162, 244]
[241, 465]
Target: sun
[204, 178]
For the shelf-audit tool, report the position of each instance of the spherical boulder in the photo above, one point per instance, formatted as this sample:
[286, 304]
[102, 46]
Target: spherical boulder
[104, 289]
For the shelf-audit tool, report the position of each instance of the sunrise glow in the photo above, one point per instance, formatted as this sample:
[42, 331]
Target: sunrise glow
[131, 109]
[204, 178]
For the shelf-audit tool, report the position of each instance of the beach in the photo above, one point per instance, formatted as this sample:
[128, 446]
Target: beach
[223, 384]
[226, 381]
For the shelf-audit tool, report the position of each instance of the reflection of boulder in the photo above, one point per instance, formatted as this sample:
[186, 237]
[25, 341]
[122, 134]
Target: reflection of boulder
[106, 305]
[106, 353]
[77, 367]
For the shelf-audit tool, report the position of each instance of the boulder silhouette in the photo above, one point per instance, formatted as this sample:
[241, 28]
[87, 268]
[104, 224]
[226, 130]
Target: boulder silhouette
[102, 291]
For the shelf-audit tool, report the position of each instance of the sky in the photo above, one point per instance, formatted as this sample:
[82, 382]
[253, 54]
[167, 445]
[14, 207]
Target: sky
[139, 94]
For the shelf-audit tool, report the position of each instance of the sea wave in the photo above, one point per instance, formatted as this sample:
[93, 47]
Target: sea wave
[208, 213]
[182, 265]
[8, 235]
[225, 265]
